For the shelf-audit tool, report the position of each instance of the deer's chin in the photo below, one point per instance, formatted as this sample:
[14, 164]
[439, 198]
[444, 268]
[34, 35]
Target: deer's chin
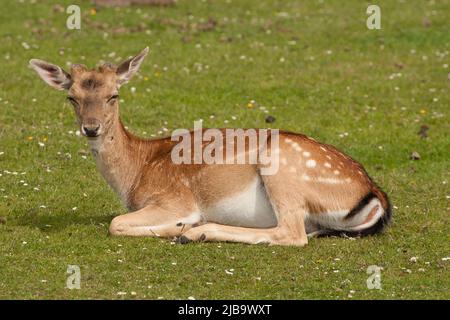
[95, 144]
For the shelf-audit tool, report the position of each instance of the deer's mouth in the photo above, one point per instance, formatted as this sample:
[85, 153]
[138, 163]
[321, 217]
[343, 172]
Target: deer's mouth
[92, 135]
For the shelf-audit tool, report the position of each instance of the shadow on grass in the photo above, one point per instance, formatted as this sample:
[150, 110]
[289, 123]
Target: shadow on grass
[53, 223]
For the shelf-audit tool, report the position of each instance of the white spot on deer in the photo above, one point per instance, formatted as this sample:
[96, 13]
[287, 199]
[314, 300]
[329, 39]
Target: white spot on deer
[328, 157]
[296, 147]
[283, 161]
[327, 165]
[287, 140]
[329, 180]
[305, 177]
[336, 172]
[311, 163]
[306, 154]
[292, 169]
[348, 180]
[324, 149]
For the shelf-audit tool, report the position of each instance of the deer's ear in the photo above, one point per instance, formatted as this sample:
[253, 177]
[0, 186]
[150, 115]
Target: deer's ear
[128, 68]
[52, 74]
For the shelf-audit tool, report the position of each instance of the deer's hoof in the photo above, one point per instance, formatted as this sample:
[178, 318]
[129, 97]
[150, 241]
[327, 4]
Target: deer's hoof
[183, 240]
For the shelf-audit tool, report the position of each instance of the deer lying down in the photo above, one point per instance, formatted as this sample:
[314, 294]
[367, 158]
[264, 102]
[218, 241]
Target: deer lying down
[316, 191]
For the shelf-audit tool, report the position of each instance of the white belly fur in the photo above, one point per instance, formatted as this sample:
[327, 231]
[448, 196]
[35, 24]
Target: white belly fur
[250, 208]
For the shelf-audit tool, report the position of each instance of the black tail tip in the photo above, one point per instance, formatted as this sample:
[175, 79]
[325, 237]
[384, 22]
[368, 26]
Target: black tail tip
[377, 228]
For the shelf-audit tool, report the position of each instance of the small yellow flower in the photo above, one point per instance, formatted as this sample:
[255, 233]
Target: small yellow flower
[157, 74]
[30, 138]
[145, 78]
[250, 105]
[93, 12]
[423, 111]
[44, 139]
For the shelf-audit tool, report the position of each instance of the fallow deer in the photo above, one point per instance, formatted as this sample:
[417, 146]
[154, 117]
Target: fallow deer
[317, 190]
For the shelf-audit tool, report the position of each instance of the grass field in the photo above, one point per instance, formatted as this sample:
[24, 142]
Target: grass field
[313, 65]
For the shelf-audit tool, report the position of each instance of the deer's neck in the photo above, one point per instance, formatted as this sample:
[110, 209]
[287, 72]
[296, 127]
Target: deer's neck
[120, 157]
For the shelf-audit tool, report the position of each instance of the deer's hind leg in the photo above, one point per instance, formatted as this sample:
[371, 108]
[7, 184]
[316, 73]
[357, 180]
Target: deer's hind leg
[290, 229]
[224, 233]
[289, 206]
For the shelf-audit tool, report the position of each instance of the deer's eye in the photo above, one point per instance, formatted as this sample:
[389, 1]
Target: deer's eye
[72, 101]
[113, 98]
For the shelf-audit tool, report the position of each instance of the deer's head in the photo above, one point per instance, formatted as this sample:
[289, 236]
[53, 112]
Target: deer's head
[93, 93]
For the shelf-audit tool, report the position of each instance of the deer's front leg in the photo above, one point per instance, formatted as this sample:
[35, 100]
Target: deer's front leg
[154, 221]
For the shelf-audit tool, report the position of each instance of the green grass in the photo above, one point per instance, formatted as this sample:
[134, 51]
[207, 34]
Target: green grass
[335, 79]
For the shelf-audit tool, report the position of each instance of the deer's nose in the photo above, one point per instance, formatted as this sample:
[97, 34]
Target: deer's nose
[91, 129]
